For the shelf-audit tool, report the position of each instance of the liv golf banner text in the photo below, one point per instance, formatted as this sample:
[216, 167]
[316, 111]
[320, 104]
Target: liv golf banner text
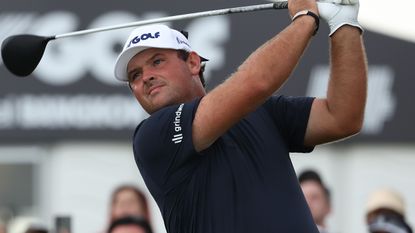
[73, 94]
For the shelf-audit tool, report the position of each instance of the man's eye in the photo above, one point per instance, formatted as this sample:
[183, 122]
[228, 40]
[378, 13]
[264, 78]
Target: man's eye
[157, 61]
[134, 76]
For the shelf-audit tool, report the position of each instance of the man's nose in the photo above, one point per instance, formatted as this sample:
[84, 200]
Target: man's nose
[146, 75]
[148, 78]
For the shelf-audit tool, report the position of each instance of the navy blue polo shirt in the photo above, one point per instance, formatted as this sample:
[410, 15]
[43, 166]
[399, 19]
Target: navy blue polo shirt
[243, 183]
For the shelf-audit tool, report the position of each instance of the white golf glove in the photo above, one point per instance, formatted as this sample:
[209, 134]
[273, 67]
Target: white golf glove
[338, 13]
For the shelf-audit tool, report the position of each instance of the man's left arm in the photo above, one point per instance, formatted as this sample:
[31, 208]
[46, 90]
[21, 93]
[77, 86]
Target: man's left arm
[341, 113]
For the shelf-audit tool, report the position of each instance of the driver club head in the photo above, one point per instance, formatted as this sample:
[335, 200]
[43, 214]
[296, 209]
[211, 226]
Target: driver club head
[22, 53]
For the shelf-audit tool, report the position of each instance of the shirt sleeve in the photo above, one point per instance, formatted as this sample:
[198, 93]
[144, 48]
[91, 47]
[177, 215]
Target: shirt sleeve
[163, 146]
[291, 116]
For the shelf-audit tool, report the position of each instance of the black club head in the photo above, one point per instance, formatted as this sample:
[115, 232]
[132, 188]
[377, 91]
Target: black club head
[22, 53]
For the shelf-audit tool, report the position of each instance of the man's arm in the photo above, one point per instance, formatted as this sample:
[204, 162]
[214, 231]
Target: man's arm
[262, 73]
[341, 113]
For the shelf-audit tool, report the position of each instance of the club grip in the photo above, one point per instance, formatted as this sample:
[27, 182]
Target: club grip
[280, 5]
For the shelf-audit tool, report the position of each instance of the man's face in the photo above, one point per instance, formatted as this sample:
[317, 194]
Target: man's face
[158, 78]
[316, 200]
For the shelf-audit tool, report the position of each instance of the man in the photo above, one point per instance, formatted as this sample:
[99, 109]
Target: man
[317, 196]
[385, 212]
[130, 224]
[219, 161]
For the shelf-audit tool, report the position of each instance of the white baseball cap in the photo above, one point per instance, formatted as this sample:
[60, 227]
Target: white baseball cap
[151, 36]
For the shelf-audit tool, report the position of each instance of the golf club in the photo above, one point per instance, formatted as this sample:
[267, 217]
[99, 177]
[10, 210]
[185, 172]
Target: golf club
[22, 53]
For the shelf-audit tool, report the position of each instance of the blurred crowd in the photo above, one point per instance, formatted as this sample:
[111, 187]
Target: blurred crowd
[128, 213]
[385, 210]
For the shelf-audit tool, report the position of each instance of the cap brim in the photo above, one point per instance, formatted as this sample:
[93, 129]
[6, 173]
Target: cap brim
[203, 59]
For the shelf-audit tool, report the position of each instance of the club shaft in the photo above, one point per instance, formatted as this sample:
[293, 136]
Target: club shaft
[275, 5]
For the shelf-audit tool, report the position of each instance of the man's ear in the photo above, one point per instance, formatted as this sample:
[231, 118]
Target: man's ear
[194, 63]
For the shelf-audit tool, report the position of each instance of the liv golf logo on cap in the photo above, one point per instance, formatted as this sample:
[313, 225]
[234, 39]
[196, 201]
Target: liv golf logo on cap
[145, 36]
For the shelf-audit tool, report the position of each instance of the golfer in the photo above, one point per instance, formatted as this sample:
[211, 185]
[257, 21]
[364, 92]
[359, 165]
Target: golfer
[218, 162]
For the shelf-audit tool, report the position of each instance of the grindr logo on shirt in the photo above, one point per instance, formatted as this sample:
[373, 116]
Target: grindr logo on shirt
[178, 136]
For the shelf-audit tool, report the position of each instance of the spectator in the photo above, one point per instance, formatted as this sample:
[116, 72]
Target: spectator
[317, 196]
[128, 200]
[385, 212]
[130, 224]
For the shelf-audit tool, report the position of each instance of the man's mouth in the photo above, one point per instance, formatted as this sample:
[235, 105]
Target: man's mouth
[154, 89]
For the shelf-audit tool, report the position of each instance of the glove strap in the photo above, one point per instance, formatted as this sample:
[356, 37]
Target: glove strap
[310, 13]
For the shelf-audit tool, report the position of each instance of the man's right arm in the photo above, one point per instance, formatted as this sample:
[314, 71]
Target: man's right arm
[259, 76]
